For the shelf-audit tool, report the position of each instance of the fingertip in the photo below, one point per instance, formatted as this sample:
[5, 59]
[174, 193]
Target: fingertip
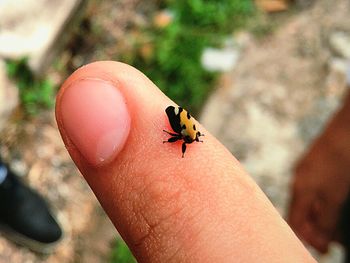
[94, 116]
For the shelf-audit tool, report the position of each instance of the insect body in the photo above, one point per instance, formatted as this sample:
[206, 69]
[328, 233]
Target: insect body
[183, 126]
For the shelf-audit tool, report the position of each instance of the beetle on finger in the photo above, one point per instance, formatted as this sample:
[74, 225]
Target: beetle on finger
[184, 127]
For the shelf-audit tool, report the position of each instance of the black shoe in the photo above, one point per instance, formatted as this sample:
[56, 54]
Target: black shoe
[24, 216]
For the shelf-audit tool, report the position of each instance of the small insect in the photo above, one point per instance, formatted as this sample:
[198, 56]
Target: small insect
[183, 125]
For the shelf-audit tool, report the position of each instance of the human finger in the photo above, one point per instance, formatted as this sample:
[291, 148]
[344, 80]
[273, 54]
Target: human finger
[201, 208]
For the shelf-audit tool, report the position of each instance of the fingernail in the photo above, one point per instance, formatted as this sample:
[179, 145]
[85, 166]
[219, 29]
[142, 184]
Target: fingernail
[95, 118]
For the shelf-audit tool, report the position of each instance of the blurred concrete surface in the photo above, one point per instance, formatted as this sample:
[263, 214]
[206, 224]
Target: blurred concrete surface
[32, 28]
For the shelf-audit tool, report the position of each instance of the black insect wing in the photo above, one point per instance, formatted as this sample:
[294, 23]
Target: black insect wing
[174, 119]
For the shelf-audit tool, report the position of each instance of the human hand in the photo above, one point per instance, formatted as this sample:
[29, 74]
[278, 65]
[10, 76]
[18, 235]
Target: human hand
[322, 183]
[201, 208]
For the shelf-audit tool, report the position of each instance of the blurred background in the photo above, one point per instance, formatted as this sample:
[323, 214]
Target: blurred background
[263, 76]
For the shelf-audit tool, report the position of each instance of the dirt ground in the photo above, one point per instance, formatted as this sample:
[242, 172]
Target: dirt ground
[281, 94]
[35, 150]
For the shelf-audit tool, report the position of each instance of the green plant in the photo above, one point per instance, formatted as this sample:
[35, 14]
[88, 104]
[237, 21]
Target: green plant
[121, 253]
[174, 64]
[34, 93]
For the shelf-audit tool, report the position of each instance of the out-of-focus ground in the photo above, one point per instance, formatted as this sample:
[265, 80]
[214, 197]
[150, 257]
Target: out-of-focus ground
[281, 94]
[37, 152]
[33, 146]
[266, 111]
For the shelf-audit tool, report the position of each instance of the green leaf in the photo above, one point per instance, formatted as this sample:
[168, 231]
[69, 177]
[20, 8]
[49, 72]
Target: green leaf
[35, 94]
[121, 253]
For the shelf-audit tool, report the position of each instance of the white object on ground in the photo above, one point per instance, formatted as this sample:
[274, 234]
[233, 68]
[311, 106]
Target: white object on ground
[340, 43]
[219, 59]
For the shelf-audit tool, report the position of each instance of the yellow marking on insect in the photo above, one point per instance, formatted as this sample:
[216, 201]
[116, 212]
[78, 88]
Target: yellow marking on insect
[190, 131]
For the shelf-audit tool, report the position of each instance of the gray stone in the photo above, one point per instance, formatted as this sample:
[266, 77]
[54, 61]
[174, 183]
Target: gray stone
[8, 95]
[226, 58]
[338, 77]
[340, 43]
[31, 28]
[222, 60]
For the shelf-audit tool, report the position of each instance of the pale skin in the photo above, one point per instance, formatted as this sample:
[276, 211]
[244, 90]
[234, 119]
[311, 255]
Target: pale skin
[201, 208]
